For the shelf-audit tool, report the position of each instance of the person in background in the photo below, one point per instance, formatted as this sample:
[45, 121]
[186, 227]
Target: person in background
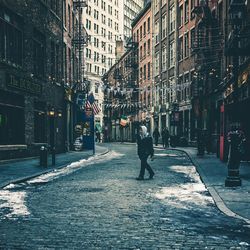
[163, 137]
[156, 136]
[145, 149]
[166, 138]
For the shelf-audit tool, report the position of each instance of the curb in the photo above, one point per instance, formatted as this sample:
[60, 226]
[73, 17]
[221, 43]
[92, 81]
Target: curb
[216, 197]
[16, 181]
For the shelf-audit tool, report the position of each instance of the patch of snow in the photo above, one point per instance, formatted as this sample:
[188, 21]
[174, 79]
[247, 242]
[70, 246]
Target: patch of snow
[74, 167]
[186, 194]
[15, 202]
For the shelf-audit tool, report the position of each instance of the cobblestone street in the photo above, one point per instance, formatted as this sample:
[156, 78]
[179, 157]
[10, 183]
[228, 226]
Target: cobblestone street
[98, 204]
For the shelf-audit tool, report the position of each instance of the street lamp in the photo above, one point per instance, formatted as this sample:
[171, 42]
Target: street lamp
[51, 114]
[237, 10]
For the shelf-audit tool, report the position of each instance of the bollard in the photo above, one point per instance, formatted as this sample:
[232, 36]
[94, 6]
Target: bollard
[234, 157]
[43, 156]
[53, 153]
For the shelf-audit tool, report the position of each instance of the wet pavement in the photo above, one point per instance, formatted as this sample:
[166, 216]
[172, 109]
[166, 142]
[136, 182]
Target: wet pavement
[98, 204]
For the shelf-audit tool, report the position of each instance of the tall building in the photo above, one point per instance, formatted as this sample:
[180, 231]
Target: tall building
[165, 65]
[131, 8]
[142, 35]
[102, 23]
[186, 67]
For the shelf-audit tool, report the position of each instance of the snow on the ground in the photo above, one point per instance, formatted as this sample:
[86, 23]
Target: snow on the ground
[12, 199]
[187, 194]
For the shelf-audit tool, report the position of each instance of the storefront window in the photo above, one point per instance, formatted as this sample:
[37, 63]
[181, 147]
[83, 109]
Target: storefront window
[11, 132]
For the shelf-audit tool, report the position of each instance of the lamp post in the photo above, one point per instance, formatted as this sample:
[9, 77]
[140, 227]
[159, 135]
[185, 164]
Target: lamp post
[51, 115]
[236, 17]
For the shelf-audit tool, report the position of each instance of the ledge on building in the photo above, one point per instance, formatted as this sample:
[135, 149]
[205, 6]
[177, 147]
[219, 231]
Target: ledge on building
[13, 147]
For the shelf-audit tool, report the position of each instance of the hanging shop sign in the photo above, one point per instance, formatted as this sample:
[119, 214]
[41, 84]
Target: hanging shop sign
[228, 91]
[123, 121]
[68, 95]
[244, 76]
[88, 112]
[23, 84]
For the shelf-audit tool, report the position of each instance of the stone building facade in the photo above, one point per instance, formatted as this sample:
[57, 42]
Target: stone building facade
[31, 90]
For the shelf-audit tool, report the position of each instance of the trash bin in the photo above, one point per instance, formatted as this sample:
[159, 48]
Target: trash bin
[43, 156]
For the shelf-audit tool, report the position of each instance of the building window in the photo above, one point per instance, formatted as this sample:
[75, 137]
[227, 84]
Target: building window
[171, 19]
[69, 18]
[64, 14]
[38, 53]
[164, 59]
[96, 88]
[192, 33]
[186, 11]
[171, 54]
[149, 25]
[191, 8]
[149, 47]
[11, 43]
[164, 27]
[11, 118]
[186, 45]
[144, 72]
[157, 63]
[157, 32]
[181, 48]
[149, 70]
[181, 15]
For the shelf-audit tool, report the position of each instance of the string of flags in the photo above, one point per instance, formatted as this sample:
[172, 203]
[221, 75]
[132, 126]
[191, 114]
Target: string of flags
[126, 91]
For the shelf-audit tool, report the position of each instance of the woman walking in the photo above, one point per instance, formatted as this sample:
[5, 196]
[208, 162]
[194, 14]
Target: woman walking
[145, 149]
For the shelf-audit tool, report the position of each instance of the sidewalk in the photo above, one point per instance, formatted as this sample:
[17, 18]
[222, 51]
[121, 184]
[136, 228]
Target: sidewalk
[232, 201]
[21, 169]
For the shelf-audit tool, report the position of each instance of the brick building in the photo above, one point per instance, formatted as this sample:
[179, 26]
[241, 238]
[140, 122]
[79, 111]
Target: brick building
[186, 67]
[31, 90]
[121, 96]
[142, 34]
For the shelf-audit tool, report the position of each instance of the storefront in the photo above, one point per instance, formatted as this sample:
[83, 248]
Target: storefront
[11, 111]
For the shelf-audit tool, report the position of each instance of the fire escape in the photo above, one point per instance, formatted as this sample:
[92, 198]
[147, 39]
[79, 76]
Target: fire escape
[131, 65]
[208, 49]
[80, 40]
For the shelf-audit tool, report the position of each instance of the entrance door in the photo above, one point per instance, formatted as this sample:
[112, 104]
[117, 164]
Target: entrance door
[222, 132]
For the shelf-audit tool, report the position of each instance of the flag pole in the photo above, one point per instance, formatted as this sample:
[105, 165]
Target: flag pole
[93, 133]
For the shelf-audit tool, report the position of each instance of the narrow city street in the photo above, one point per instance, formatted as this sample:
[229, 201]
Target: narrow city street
[98, 204]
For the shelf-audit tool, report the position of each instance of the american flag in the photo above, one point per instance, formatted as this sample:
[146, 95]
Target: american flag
[91, 103]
